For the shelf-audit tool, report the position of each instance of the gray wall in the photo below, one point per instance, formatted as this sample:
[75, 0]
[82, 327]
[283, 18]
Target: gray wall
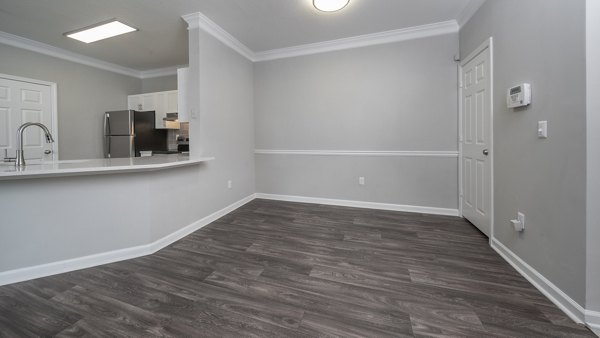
[84, 94]
[159, 84]
[543, 43]
[221, 94]
[394, 97]
[593, 156]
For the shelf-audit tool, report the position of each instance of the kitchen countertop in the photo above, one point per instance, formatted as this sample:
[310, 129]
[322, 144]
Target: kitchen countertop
[38, 169]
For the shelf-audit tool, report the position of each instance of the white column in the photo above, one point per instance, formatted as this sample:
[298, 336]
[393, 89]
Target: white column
[193, 97]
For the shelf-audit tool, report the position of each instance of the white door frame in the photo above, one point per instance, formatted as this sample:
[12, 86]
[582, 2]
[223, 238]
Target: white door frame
[54, 113]
[487, 44]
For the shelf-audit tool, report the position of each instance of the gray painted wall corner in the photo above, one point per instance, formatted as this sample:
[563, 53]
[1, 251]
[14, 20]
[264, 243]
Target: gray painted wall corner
[545, 179]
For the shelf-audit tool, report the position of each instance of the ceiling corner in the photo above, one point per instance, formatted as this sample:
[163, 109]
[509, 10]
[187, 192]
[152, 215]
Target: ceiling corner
[469, 11]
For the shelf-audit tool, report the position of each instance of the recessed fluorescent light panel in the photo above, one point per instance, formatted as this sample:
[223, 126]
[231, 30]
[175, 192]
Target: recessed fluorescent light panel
[101, 31]
[330, 5]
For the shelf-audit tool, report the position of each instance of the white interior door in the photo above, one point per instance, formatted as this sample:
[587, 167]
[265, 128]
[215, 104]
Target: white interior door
[21, 102]
[476, 139]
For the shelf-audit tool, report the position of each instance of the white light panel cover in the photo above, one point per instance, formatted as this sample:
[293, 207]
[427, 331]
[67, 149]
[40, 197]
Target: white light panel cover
[101, 32]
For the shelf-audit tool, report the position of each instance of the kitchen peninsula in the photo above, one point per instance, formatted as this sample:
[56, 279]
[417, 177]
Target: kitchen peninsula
[90, 212]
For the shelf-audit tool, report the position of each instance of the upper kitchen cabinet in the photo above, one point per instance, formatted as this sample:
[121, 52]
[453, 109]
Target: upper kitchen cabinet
[161, 102]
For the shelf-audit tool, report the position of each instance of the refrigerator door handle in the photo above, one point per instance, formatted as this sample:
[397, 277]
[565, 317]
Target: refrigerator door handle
[132, 147]
[107, 124]
[107, 146]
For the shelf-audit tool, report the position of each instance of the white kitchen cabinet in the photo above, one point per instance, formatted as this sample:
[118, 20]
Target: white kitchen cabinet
[134, 102]
[161, 102]
[149, 101]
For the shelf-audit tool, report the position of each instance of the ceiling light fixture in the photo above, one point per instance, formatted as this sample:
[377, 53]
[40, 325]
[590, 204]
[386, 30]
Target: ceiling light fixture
[330, 5]
[101, 31]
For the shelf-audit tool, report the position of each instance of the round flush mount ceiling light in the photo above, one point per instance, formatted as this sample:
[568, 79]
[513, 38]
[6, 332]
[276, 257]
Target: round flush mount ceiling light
[330, 5]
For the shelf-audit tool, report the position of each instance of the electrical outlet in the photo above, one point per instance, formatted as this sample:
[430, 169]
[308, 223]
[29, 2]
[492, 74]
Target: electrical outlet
[361, 180]
[229, 184]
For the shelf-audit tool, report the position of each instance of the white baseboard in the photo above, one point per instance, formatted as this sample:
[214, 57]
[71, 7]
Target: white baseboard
[179, 234]
[360, 204]
[44, 270]
[570, 307]
[592, 320]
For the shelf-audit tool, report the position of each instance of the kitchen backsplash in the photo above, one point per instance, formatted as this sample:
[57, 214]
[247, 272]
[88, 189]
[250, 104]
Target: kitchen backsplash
[182, 132]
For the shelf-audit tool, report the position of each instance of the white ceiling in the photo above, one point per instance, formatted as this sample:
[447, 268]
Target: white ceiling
[261, 25]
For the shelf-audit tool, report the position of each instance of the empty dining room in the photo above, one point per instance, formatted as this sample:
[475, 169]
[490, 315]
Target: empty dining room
[315, 168]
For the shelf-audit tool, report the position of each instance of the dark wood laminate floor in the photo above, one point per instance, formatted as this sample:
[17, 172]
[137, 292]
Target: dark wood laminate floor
[277, 269]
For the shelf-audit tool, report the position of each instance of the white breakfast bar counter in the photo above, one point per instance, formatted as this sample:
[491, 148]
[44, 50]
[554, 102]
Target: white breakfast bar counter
[37, 169]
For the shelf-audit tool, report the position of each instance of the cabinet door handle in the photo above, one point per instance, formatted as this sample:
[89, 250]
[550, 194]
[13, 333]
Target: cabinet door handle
[47, 152]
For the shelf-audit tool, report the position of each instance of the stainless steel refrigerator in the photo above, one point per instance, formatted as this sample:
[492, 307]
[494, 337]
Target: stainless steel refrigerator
[127, 132]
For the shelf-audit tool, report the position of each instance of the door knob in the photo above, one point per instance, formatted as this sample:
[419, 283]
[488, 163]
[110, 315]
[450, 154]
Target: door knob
[486, 152]
[47, 152]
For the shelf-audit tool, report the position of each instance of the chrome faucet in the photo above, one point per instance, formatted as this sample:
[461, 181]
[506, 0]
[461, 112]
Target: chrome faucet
[20, 162]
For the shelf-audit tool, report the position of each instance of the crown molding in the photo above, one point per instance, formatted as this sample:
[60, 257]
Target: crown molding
[160, 72]
[417, 32]
[469, 11]
[42, 48]
[199, 20]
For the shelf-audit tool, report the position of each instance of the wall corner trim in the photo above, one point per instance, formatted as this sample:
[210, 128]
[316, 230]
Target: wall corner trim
[49, 269]
[570, 307]
[592, 320]
[201, 21]
[404, 34]
[360, 204]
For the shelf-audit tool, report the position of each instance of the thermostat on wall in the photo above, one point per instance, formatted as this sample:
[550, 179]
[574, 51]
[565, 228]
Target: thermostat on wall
[519, 96]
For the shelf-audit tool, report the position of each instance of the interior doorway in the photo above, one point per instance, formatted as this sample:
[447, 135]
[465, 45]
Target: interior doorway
[25, 100]
[476, 138]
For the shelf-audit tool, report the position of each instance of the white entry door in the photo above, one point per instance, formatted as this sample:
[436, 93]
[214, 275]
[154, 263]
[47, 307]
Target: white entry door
[21, 102]
[476, 138]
